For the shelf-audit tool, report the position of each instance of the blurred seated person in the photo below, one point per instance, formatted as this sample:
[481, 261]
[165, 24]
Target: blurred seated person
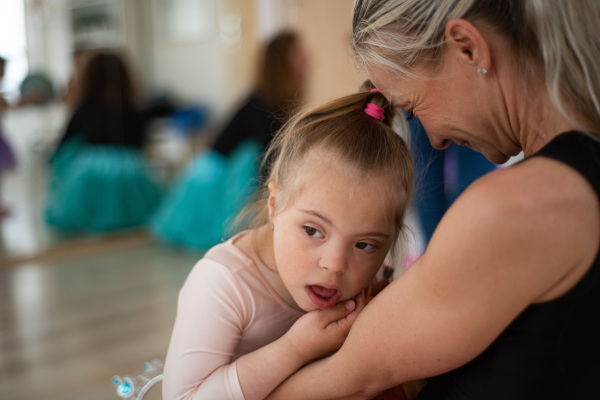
[216, 183]
[100, 178]
[36, 90]
[7, 156]
[278, 92]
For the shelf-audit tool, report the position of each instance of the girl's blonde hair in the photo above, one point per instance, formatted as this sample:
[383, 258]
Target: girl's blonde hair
[362, 142]
[561, 37]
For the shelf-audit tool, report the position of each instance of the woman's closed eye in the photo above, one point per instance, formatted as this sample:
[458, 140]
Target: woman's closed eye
[313, 232]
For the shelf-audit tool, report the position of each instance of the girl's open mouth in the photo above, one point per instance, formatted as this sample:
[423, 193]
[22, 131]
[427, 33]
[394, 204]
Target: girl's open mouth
[322, 297]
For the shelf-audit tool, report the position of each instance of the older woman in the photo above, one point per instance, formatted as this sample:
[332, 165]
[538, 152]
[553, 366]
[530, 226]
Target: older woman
[505, 302]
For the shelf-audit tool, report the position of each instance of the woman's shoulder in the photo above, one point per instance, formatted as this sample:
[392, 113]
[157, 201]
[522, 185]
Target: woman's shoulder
[538, 200]
[542, 212]
[564, 165]
[535, 183]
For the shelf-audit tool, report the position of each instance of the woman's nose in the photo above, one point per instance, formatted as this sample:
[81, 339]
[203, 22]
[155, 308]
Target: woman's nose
[438, 143]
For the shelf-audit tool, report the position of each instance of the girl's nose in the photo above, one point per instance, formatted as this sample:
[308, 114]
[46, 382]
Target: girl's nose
[334, 260]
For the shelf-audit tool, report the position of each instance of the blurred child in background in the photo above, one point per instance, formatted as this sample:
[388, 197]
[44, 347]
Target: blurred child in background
[216, 183]
[100, 180]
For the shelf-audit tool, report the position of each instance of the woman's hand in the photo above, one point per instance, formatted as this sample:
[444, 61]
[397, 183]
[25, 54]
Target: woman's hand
[321, 332]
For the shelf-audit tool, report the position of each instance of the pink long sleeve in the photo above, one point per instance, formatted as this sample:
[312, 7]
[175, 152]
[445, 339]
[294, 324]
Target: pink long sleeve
[226, 309]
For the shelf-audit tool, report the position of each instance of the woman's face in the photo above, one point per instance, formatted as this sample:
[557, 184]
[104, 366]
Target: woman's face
[453, 103]
[331, 241]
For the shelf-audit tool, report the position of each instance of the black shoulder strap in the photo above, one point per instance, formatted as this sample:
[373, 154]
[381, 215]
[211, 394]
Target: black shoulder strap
[578, 150]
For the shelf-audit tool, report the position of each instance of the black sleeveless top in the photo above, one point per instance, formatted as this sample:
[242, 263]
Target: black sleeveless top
[552, 350]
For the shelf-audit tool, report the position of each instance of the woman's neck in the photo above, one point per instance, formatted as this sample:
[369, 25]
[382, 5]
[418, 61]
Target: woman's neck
[541, 121]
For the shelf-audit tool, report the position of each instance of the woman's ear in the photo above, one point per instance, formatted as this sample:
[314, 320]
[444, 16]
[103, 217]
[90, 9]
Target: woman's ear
[467, 44]
[273, 190]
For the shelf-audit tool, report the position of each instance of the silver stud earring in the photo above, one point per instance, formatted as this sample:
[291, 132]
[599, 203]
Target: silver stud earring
[482, 71]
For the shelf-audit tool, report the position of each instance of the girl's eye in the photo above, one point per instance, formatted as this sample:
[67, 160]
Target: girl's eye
[313, 232]
[365, 246]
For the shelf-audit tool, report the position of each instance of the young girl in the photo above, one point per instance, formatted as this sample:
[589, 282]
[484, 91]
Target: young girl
[100, 180]
[214, 185]
[331, 209]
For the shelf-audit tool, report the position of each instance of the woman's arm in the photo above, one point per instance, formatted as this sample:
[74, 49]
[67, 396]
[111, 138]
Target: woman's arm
[517, 236]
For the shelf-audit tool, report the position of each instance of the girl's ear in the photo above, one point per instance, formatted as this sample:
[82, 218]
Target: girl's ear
[273, 190]
[467, 44]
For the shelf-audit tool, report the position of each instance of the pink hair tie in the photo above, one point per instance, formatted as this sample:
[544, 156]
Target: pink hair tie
[374, 111]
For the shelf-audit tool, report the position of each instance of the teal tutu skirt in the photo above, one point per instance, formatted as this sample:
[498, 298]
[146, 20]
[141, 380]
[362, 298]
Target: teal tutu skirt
[100, 189]
[198, 211]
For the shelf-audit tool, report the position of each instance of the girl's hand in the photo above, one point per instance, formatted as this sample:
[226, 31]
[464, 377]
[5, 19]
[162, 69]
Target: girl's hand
[315, 334]
[321, 332]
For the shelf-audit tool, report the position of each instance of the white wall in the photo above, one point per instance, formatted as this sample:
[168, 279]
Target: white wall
[48, 38]
[194, 67]
[327, 28]
[214, 68]
[197, 65]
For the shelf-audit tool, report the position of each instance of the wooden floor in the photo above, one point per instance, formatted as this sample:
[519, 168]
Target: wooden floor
[75, 311]
[68, 324]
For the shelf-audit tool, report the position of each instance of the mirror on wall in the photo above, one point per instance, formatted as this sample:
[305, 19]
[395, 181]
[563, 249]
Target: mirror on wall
[198, 54]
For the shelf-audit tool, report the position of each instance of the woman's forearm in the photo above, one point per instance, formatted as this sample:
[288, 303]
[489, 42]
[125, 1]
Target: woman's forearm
[313, 335]
[350, 373]
[315, 381]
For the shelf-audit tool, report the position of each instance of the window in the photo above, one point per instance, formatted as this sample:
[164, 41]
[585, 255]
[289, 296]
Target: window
[13, 47]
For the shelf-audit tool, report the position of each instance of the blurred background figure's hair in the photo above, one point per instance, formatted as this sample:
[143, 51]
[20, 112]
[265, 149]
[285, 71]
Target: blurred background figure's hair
[106, 79]
[281, 72]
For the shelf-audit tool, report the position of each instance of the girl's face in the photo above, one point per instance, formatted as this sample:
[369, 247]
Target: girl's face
[333, 238]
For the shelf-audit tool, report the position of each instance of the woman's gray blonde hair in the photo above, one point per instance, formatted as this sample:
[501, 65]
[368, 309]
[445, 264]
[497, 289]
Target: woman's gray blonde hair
[560, 36]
